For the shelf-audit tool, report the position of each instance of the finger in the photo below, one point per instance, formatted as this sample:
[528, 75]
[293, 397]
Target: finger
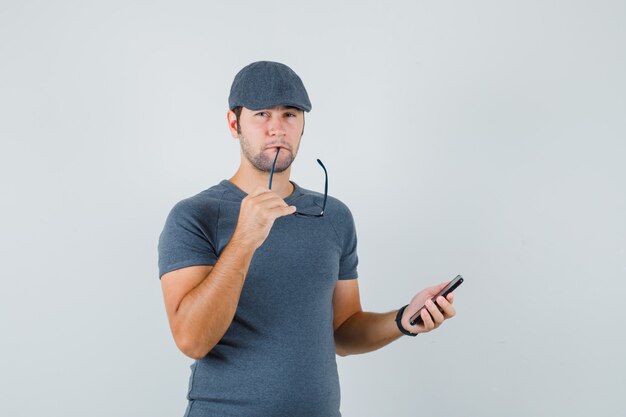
[428, 320]
[273, 201]
[448, 310]
[450, 297]
[442, 301]
[434, 312]
[282, 211]
[260, 198]
[266, 196]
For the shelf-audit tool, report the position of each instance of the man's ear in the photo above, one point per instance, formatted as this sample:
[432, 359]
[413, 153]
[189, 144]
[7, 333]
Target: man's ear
[232, 123]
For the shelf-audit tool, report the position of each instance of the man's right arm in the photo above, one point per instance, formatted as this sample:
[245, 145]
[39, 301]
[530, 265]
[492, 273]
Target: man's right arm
[201, 300]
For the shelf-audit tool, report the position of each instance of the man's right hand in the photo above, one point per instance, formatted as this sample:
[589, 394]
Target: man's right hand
[259, 210]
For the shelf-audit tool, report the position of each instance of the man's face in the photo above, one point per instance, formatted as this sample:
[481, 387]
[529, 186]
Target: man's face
[263, 131]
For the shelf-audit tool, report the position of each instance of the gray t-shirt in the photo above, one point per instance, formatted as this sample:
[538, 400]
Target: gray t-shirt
[277, 358]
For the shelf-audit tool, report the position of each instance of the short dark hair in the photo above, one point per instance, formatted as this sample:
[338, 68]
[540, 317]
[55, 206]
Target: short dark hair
[237, 111]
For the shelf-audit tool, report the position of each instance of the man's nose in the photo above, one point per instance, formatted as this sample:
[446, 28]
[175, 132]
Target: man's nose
[276, 127]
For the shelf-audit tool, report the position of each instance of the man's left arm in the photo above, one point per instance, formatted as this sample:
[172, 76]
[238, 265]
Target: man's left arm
[357, 331]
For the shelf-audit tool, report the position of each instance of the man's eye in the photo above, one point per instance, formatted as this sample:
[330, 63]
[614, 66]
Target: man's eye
[261, 113]
[291, 115]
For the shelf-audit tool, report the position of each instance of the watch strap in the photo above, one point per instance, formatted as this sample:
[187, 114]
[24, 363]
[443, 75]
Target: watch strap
[399, 323]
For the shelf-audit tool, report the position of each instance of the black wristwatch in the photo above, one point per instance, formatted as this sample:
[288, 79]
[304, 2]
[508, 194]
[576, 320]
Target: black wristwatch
[399, 323]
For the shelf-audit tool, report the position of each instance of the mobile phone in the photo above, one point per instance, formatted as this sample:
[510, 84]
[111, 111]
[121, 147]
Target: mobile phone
[417, 319]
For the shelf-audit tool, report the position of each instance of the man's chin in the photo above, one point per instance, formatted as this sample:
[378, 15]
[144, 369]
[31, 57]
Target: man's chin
[268, 168]
[266, 165]
[277, 169]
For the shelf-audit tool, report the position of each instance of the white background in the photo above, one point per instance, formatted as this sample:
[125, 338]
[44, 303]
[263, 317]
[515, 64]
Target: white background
[485, 138]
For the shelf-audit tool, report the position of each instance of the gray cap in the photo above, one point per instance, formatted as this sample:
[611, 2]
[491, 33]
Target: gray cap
[266, 84]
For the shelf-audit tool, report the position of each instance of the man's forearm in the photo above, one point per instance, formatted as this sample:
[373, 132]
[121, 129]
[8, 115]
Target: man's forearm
[364, 332]
[206, 312]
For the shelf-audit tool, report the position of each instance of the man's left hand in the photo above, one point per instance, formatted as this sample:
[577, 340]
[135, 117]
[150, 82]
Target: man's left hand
[431, 316]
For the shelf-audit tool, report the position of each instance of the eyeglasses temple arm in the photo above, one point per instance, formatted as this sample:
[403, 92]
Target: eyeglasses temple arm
[273, 165]
[325, 185]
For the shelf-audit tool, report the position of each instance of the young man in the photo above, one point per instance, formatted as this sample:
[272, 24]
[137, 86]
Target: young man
[260, 285]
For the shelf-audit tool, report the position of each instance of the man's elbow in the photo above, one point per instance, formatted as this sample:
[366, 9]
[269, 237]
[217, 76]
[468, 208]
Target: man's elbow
[340, 349]
[341, 352]
[191, 348]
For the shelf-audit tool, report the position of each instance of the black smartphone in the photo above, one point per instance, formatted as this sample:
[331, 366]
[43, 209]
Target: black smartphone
[417, 319]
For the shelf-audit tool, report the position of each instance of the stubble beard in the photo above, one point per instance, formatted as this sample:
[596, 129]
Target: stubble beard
[264, 160]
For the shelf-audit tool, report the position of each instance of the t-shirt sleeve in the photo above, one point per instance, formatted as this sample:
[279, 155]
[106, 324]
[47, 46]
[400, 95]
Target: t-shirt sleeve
[186, 239]
[349, 258]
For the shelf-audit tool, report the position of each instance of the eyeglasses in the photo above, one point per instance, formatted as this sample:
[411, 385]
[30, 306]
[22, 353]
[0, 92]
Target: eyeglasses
[297, 213]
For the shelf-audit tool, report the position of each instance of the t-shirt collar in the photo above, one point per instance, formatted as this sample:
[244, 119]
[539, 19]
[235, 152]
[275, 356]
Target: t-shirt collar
[297, 191]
